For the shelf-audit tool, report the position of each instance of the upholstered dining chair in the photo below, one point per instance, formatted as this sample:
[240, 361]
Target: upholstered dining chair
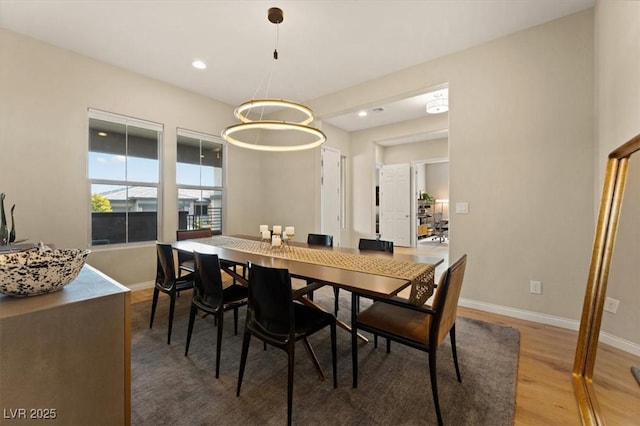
[185, 260]
[211, 297]
[323, 240]
[420, 327]
[276, 319]
[167, 282]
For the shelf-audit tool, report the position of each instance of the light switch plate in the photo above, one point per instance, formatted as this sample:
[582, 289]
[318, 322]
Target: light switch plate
[462, 207]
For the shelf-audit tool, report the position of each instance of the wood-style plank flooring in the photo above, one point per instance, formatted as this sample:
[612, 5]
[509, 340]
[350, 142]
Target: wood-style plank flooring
[544, 387]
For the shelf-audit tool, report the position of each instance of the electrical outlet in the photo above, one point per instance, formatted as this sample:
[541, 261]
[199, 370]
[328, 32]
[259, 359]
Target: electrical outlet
[535, 287]
[611, 305]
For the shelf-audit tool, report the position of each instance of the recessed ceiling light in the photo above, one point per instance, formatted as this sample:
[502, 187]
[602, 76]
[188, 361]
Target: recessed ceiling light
[362, 114]
[199, 64]
[102, 134]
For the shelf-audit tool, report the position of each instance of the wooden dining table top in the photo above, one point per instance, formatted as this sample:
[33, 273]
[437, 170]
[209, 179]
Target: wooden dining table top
[360, 282]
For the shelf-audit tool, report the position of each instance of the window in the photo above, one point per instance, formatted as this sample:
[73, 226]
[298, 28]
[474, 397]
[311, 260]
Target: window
[199, 176]
[124, 178]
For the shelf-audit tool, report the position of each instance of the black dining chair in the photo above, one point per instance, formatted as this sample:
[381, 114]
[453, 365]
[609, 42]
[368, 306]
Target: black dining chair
[167, 282]
[323, 240]
[211, 297]
[420, 327]
[276, 319]
[185, 260]
[375, 245]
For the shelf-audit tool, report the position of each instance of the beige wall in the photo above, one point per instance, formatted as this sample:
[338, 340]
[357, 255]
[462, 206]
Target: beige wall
[45, 93]
[617, 63]
[521, 142]
[427, 150]
[513, 151]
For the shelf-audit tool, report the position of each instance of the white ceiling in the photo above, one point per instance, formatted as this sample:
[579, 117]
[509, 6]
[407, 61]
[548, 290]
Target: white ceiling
[324, 46]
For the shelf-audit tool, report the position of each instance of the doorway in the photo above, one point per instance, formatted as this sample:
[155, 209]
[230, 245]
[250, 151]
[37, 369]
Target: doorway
[331, 194]
[431, 211]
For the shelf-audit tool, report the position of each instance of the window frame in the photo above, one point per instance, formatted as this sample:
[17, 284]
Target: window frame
[204, 138]
[158, 185]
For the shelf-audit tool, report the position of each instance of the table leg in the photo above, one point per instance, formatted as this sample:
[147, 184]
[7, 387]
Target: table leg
[339, 323]
[314, 358]
[236, 276]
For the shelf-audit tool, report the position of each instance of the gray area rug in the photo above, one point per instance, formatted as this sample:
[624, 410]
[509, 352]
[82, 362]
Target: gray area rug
[636, 373]
[170, 389]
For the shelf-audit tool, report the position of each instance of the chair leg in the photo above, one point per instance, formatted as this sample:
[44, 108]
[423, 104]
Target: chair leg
[388, 346]
[354, 340]
[192, 317]
[336, 293]
[172, 308]
[220, 316]
[291, 353]
[243, 359]
[154, 303]
[434, 383]
[235, 321]
[334, 354]
[375, 341]
[452, 337]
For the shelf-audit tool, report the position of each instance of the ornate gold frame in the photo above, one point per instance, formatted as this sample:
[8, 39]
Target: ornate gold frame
[604, 241]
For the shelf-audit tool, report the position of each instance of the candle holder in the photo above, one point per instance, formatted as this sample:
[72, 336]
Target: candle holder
[287, 238]
[276, 242]
[288, 235]
[265, 235]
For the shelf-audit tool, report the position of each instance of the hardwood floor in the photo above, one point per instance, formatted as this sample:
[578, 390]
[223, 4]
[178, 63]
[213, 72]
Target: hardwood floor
[544, 388]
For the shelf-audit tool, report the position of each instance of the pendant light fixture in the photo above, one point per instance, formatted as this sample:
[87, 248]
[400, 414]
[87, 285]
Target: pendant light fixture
[250, 132]
[438, 101]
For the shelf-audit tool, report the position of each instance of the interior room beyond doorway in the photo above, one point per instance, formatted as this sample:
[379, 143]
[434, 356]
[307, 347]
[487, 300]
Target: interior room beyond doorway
[431, 186]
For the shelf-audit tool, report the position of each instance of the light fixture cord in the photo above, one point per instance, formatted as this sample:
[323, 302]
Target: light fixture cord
[269, 75]
[268, 78]
[275, 50]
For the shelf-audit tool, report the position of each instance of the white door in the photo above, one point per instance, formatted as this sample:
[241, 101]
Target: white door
[395, 204]
[330, 194]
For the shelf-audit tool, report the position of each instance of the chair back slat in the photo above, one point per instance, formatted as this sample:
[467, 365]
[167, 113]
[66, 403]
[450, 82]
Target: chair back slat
[320, 240]
[208, 279]
[445, 302]
[269, 300]
[375, 245]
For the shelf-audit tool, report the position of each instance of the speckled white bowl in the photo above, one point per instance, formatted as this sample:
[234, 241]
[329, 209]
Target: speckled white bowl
[39, 270]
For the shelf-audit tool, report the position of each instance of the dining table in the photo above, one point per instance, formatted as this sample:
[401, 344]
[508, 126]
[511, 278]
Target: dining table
[364, 273]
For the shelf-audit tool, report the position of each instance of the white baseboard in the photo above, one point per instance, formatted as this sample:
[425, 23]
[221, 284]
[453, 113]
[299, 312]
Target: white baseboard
[609, 339]
[620, 343]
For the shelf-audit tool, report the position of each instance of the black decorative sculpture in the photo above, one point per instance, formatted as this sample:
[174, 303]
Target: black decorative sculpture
[4, 232]
[12, 233]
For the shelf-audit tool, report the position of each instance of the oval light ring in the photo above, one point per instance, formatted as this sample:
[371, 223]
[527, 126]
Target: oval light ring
[247, 106]
[273, 125]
